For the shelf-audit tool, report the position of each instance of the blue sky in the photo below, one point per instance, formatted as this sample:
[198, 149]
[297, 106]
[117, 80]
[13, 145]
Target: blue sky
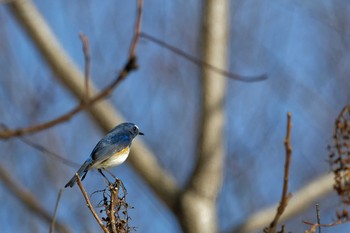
[303, 47]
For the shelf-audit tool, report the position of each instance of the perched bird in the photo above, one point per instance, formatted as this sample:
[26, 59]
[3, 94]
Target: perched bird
[112, 150]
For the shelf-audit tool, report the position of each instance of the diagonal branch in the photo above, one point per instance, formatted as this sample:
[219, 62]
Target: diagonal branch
[53, 222]
[29, 200]
[302, 199]
[46, 151]
[103, 112]
[200, 62]
[89, 205]
[24, 10]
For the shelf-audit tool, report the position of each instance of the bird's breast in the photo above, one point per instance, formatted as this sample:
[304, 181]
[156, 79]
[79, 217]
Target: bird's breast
[116, 158]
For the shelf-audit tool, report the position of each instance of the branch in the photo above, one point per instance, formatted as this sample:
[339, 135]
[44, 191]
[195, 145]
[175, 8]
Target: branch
[205, 64]
[89, 205]
[315, 225]
[52, 225]
[318, 216]
[103, 112]
[87, 57]
[137, 30]
[53, 155]
[200, 195]
[114, 204]
[339, 154]
[44, 150]
[28, 200]
[302, 199]
[285, 197]
[118, 204]
[24, 10]
[114, 196]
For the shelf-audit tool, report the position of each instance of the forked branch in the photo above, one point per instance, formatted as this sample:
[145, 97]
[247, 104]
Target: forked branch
[130, 66]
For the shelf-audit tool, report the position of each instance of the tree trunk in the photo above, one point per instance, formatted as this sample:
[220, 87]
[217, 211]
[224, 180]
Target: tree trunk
[198, 201]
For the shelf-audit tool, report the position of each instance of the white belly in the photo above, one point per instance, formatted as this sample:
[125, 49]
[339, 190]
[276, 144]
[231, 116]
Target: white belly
[113, 161]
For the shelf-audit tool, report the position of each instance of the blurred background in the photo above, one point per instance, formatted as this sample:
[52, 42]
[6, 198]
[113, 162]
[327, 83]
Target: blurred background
[303, 47]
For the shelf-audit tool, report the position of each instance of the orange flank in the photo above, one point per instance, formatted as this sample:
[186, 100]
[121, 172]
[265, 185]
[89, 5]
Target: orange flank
[122, 152]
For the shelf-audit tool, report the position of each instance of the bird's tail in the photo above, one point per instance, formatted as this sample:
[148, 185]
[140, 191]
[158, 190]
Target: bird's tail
[81, 172]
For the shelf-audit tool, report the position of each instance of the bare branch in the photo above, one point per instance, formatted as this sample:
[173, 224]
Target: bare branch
[302, 199]
[89, 205]
[114, 196]
[52, 225]
[44, 150]
[115, 207]
[132, 52]
[200, 62]
[201, 192]
[318, 217]
[339, 155]
[285, 197]
[53, 155]
[20, 8]
[86, 50]
[103, 112]
[315, 225]
[29, 200]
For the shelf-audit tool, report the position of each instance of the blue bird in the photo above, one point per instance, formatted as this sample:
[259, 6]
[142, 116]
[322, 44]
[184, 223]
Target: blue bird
[112, 150]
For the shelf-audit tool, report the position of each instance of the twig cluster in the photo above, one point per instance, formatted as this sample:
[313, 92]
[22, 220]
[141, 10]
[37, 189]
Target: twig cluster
[339, 161]
[115, 207]
[113, 204]
[339, 155]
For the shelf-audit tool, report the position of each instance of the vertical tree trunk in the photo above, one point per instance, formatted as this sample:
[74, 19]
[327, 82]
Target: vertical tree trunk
[198, 201]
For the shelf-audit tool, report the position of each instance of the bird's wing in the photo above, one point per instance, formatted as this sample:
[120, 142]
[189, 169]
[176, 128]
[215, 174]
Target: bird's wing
[106, 148]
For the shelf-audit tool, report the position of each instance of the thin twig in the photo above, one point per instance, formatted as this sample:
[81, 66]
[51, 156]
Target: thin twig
[318, 217]
[315, 225]
[48, 152]
[130, 66]
[86, 50]
[44, 150]
[89, 205]
[137, 29]
[285, 196]
[203, 63]
[52, 226]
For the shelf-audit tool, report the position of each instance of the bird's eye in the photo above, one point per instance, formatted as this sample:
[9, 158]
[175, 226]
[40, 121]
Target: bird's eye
[134, 129]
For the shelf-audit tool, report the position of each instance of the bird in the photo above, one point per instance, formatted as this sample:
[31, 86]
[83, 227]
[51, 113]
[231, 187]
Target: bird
[112, 150]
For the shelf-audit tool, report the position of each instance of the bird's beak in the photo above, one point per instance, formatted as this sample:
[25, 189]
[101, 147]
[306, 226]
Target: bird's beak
[140, 133]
